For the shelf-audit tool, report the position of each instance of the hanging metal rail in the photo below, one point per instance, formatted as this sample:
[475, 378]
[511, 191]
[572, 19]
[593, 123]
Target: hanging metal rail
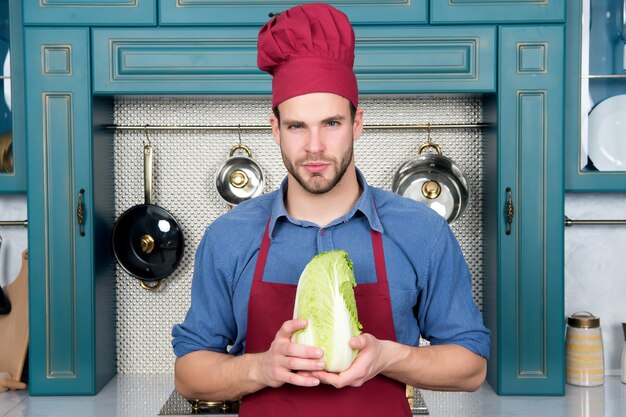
[23, 223]
[569, 222]
[253, 127]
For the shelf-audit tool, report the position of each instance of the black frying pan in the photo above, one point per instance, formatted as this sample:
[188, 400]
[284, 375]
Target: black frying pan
[148, 241]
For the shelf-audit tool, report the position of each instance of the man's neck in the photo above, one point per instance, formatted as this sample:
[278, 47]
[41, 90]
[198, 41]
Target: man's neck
[322, 209]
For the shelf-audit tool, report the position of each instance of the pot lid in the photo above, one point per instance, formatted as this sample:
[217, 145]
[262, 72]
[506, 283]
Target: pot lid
[239, 178]
[583, 320]
[435, 181]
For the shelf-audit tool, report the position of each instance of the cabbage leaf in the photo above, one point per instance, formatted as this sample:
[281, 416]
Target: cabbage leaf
[325, 298]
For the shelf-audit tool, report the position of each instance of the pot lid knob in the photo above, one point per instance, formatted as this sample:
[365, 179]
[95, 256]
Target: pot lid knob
[239, 179]
[146, 242]
[431, 189]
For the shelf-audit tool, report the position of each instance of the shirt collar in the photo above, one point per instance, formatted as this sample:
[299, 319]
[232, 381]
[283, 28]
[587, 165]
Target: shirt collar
[365, 205]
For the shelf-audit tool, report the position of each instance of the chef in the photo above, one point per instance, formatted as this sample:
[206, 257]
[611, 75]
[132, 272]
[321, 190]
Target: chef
[412, 279]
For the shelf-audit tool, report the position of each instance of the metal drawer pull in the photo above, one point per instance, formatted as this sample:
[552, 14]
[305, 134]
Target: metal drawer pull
[80, 213]
[509, 210]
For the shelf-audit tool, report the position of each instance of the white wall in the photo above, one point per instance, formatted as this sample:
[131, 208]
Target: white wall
[14, 238]
[595, 267]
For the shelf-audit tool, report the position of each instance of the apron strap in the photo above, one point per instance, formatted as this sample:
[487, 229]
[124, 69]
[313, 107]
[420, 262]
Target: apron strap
[263, 251]
[379, 257]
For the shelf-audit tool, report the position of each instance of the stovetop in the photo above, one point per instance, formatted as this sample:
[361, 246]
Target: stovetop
[177, 405]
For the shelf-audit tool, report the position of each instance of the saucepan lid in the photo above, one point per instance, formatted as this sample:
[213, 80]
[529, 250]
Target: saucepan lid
[434, 180]
[240, 177]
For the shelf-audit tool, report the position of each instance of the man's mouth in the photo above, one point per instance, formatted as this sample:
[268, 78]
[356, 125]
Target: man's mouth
[315, 167]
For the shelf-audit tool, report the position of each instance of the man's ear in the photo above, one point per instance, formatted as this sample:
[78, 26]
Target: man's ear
[275, 129]
[357, 125]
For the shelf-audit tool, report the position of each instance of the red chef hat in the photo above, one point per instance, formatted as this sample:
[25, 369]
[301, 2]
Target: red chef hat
[308, 49]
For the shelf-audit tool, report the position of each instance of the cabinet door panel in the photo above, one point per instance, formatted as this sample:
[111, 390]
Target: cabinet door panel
[90, 12]
[389, 60]
[497, 11]
[62, 296]
[528, 321]
[257, 12]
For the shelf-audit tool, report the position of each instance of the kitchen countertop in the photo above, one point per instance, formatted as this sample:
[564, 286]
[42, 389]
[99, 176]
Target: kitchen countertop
[144, 395]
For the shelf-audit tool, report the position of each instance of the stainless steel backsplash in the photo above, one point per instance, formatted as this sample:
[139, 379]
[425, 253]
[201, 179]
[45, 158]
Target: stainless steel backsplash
[185, 163]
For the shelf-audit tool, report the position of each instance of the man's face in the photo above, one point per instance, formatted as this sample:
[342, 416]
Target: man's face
[316, 137]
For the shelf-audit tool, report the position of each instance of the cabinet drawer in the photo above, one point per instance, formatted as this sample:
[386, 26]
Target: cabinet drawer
[90, 12]
[245, 12]
[223, 61]
[496, 11]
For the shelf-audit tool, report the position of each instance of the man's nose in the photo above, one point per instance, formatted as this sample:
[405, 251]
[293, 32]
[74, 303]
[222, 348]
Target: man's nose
[315, 143]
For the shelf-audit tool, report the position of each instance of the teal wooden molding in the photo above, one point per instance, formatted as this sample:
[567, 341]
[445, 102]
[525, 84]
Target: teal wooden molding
[243, 12]
[497, 11]
[527, 310]
[425, 60]
[90, 12]
[223, 61]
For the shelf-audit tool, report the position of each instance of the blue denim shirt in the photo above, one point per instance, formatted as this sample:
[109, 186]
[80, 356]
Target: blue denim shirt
[429, 282]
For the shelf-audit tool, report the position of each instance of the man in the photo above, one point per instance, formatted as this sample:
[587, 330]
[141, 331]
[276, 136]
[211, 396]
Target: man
[411, 276]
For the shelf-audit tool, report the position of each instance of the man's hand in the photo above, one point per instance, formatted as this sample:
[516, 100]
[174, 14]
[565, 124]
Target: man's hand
[366, 366]
[443, 367]
[281, 362]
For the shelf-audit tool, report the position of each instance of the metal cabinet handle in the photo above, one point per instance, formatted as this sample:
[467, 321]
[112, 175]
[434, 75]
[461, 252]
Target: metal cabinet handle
[509, 210]
[80, 213]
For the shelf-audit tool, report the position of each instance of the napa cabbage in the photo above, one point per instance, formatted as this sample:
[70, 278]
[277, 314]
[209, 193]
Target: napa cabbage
[325, 298]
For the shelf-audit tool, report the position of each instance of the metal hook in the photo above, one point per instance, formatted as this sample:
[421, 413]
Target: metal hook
[145, 129]
[429, 141]
[239, 133]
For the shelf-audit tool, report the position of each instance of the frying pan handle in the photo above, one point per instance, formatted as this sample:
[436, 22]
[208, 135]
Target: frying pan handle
[147, 172]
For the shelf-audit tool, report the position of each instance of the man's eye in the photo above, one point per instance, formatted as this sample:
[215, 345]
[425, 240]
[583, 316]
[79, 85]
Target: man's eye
[294, 126]
[332, 123]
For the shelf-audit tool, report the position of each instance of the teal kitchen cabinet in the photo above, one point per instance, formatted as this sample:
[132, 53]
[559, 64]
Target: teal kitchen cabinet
[497, 11]
[256, 13]
[73, 73]
[71, 277]
[90, 12]
[524, 305]
[596, 77]
[389, 60]
[12, 128]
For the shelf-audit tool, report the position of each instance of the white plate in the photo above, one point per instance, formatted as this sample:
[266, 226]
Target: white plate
[607, 134]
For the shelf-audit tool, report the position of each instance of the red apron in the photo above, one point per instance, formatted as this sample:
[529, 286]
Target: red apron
[271, 304]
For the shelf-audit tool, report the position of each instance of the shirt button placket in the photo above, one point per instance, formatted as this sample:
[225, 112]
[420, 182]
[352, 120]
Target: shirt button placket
[324, 240]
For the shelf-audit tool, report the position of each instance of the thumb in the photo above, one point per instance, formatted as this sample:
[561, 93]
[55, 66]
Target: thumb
[358, 342]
